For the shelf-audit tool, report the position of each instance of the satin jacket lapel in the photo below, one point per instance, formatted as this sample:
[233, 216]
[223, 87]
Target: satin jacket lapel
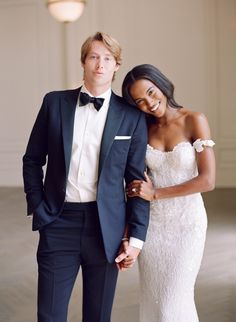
[114, 118]
[68, 105]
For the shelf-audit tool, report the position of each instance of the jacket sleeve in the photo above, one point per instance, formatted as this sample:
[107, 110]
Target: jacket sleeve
[137, 208]
[34, 159]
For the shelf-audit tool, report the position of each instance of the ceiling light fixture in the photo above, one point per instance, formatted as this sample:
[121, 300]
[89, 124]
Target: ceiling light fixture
[66, 10]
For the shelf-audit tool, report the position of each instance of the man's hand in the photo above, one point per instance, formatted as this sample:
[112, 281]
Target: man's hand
[127, 257]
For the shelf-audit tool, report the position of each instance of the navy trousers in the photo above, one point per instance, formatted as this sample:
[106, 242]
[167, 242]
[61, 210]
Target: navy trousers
[71, 241]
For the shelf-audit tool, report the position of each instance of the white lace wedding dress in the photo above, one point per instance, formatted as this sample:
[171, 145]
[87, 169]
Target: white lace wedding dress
[171, 257]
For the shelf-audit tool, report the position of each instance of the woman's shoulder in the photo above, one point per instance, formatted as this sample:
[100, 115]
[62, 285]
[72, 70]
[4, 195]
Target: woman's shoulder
[196, 122]
[193, 117]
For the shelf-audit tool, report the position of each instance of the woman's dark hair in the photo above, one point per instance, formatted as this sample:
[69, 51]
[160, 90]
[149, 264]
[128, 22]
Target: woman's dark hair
[151, 73]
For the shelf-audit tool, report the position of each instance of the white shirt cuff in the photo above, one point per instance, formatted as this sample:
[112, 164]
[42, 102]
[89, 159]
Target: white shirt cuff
[135, 242]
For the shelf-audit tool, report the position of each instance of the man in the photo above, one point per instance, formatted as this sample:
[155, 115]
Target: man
[91, 141]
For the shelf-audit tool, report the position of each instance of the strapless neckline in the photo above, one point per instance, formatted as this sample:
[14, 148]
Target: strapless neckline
[171, 151]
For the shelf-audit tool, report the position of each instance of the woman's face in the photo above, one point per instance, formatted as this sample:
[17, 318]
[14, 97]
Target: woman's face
[148, 97]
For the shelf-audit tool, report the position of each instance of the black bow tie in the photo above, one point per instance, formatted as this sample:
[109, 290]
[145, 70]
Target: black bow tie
[84, 99]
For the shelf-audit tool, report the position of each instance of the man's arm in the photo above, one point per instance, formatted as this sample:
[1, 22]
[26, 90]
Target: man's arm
[34, 160]
[137, 208]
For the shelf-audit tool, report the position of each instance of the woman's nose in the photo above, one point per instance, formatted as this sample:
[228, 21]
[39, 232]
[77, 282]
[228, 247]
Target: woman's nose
[150, 102]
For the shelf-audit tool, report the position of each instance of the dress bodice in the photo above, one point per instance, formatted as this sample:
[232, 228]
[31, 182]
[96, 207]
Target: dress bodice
[173, 167]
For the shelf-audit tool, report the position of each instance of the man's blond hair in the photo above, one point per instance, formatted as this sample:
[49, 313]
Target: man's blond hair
[110, 43]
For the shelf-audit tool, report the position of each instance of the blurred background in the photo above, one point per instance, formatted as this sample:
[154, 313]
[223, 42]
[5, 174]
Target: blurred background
[193, 42]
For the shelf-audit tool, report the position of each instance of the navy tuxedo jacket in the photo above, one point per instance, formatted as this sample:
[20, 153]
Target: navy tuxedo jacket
[50, 144]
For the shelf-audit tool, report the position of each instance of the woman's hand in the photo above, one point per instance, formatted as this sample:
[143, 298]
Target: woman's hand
[142, 189]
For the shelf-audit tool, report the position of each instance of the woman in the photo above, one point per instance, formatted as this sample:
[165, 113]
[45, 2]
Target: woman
[181, 164]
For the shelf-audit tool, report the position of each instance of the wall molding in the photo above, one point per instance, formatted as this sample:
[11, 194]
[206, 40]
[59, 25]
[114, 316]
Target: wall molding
[11, 162]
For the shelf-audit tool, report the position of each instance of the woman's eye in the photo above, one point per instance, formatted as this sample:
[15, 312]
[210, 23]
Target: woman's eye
[139, 102]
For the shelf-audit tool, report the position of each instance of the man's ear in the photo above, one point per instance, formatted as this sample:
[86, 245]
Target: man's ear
[117, 67]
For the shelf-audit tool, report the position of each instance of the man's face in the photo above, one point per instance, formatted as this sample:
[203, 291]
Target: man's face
[99, 67]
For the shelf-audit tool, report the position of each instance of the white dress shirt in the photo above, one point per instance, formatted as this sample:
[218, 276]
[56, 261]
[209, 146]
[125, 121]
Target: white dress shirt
[88, 129]
[87, 135]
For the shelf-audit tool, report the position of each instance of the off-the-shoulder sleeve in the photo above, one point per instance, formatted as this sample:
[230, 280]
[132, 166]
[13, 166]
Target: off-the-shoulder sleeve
[200, 144]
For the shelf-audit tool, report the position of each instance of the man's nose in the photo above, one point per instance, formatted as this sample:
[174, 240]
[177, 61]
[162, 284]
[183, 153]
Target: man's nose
[99, 63]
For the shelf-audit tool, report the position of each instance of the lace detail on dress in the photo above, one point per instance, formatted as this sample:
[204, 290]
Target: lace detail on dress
[171, 256]
[199, 144]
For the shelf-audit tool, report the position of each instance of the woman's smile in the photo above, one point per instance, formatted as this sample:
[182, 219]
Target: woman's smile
[156, 106]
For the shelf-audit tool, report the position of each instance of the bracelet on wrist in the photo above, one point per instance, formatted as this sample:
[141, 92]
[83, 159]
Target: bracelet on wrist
[154, 195]
[125, 239]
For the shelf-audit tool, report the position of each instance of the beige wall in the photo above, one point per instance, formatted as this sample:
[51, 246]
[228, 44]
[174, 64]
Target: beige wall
[192, 42]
